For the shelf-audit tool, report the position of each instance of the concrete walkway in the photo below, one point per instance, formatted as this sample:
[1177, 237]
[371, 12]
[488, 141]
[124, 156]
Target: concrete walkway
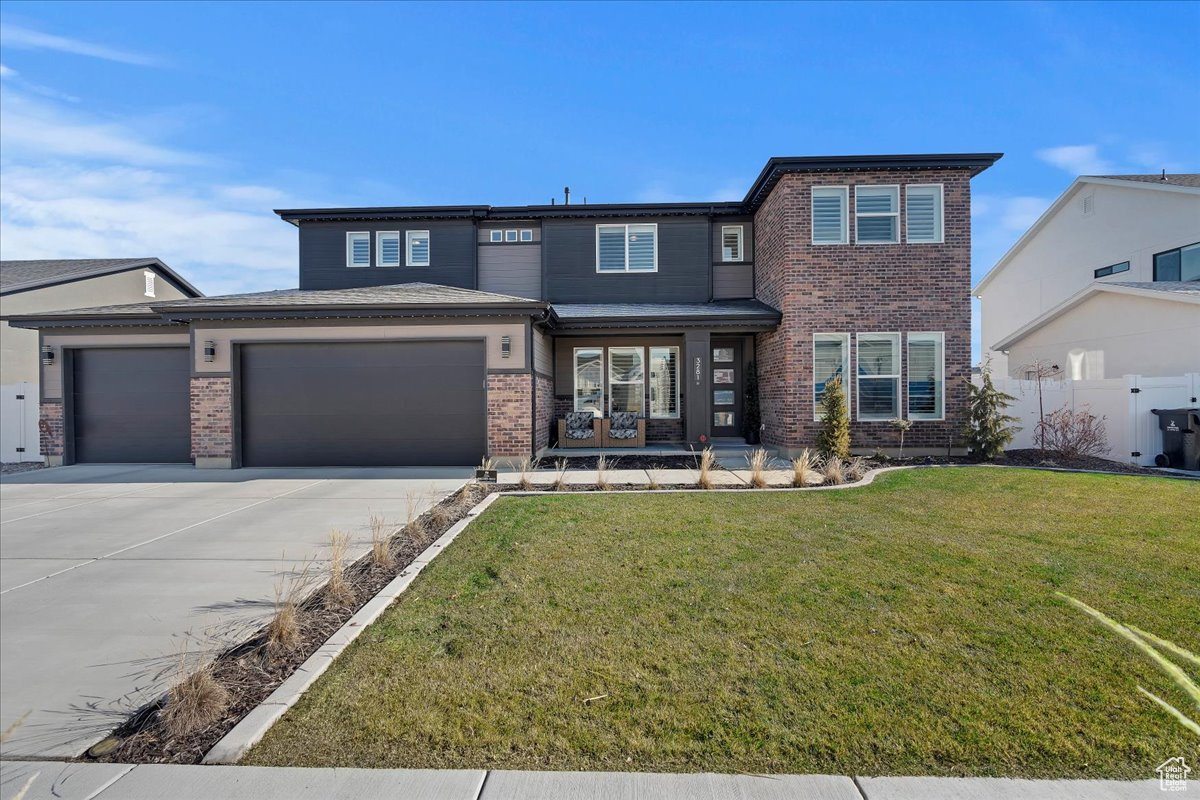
[153, 781]
[107, 570]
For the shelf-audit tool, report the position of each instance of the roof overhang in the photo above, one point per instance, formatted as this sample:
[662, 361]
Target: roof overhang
[39, 321]
[166, 273]
[507, 213]
[675, 318]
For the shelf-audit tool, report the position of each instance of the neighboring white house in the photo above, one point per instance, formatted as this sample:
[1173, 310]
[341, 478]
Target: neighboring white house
[1106, 283]
[28, 287]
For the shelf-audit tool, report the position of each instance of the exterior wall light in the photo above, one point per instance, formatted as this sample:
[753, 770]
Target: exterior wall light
[505, 346]
[47, 355]
[210, 351]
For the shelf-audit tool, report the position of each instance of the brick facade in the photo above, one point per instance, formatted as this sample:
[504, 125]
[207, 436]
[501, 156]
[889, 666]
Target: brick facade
[545, 411]
[212, 417]
[51, 431]
[851, 288]
[510, 415]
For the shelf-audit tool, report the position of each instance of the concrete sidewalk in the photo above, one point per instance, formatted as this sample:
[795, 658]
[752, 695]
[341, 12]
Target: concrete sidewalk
[152, 781]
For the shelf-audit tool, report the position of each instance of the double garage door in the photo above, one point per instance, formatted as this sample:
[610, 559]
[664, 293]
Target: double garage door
[300, 404]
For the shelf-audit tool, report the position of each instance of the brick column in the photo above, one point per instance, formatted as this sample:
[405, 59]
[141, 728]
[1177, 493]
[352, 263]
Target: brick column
[545, 411]
[510, 415]
[52, 433]
[212, 422]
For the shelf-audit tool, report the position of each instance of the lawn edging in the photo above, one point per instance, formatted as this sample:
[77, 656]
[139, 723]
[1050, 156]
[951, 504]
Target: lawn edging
[252, 727]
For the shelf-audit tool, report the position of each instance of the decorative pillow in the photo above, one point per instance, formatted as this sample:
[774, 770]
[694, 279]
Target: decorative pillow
[623, 433]
[623, 421]
[580, 425]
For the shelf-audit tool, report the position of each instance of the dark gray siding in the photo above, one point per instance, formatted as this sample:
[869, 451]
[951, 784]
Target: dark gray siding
[684, 263]
[733, 281]
[514, 269]
[486, 228]
[323, 255]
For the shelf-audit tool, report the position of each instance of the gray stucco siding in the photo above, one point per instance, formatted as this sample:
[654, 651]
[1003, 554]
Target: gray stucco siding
[452, 255]
[512, 269]
[569, 259]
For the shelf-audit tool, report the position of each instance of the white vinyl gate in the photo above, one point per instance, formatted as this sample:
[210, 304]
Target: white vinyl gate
[1125, 403]
[19, 423]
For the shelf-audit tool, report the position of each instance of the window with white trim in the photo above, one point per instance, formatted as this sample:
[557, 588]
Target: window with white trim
[527, 235]
[923, 213]
[627, 248]
[731, 243]
[496, 236]
[148, 277]
[877, 214]
[626, 380]
[878, 376]
[926, 375]
[589, 380]
[387, 249]
[830, 223]
[831, 361]
[510, 236]
[418, 248]
[664, 382]
[358, 249]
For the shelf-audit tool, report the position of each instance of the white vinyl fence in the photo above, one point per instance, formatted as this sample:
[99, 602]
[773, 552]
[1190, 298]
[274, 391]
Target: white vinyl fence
[19, 423]
[1133, 433]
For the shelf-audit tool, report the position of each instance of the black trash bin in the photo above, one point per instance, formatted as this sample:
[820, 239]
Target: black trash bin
[1181, 437]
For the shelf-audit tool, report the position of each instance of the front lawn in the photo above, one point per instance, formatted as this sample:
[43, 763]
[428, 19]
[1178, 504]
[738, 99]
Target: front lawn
[909, 627]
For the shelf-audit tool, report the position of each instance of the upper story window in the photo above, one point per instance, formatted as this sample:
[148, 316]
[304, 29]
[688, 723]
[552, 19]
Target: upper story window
[1180, 264]
[731, 243]
[418, 248]
[877, 214]
[1112, 270]
[923, 213]
[387, 249]
[148, 276]
[527, 235]
[627, 248]
[497, 236]
[829, 217]
[510, 236]
[358, 249]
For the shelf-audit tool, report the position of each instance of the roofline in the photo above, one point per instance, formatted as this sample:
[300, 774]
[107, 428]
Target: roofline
[166, 272]
[1057, 205]
[1083, 294]
[298, 215]
[778, 166]
[36, 321]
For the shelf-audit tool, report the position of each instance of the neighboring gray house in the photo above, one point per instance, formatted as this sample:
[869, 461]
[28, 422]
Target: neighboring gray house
[33, 287]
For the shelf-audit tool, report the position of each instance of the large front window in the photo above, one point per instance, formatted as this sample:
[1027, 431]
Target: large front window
[831, 360]
[878, 376]
[589, 380]
[626, 380]
[627, 248]
[664, 382]
[1180, 264]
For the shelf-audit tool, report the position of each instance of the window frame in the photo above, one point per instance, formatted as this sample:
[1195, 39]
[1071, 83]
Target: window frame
[350, 238]
[1111, 269]
[496, 236]
[408, 248]
[844, 339]
[940, 338]
[596, 412]
[528, 231]
[678, 393]
[895, 187]
[741, 244]
[379, 236]
[511, 235]
[842, 190]
[897, 376]
[626, 226]
[609, 381]
[939, 214]
[1180, 249]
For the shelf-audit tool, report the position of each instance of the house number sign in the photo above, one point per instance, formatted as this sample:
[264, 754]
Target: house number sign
[699, 370]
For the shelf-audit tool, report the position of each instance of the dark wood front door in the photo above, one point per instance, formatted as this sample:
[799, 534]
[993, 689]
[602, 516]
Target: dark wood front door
[726, 388]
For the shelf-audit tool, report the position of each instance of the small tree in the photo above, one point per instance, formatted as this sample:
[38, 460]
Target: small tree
[834, 439]
[901, 425]
[751, 414]
[1039, 370]
[988, 429]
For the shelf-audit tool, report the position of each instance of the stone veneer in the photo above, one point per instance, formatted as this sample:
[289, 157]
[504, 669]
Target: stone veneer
[851, 288]
[51, 432]
[212, 421]
[510, 415]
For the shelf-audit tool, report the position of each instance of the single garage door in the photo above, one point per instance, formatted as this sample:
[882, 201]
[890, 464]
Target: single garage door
[363, 404]
[131, 405]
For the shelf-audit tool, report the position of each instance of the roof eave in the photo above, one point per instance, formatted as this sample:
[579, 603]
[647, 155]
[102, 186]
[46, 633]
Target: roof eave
[170, 275]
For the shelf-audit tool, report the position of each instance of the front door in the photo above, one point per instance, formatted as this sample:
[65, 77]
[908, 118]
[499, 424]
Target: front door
[726, 388]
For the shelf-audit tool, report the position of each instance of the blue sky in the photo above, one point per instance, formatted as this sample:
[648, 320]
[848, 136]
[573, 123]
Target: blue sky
[173, 129]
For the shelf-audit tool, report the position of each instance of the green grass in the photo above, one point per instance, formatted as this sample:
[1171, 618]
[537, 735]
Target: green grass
[909, 627]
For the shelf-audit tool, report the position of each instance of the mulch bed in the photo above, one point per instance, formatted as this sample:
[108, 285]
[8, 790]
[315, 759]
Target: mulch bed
[247, 672]
[550, 464]
[18, 467]
[1039, 458]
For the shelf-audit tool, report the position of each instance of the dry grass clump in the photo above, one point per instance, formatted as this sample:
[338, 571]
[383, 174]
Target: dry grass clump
[381, 542]
[525, 468]
[757, 460]
[195, 702]
[440, 517]
[804, 466]
[601, 476]
[560, 469]
[856, 468]
[834, 471]
[707, 461]
[283, 629]
[338, 592]
[653, 484]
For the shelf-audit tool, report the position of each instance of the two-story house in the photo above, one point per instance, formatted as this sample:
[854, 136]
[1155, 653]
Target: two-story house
[436, 335]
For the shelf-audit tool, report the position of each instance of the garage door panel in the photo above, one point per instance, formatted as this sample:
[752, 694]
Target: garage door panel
[131, 405]
[363, 403]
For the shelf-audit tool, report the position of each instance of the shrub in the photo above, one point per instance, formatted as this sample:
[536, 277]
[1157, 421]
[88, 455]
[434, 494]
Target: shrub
[706, 465]
[804, 465]
[381, 542]
[901, 425]
[757, 460]
[856, 468]
[988, 429]
[338, 593]
[195, 702]
[601, 473]
[834, 472]
[652, 482]
[560, 470]
[834, 438]
[1073, 433]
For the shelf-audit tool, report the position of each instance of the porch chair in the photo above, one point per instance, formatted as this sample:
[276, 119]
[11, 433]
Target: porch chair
[624, 429]
[579, 429]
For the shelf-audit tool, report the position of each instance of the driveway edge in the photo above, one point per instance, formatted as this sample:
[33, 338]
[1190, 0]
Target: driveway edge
[252, 727]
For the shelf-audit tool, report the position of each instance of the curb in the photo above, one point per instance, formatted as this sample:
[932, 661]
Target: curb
[252, 727]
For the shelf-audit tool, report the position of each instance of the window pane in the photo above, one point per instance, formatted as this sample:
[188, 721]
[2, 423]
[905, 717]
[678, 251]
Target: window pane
[722, 355]
[830, 360]
[360, 249]
[497, 236]
[877, 398]
[876, 356]
[510, 236]
[925, 366]
[389, 250]
[1189, 263]
[526, 235]
[1166, 266]
[874, 199]
[722, 376]
[626, 363]
[877, 229]
[641, 248]
[611, 247]
[589, 381]
[418, 248]
[731, 243]
[626, 397]
[723, 419]
[924, 213]
[828, 216]
[625, 385]
[723, 397]
[664, 382]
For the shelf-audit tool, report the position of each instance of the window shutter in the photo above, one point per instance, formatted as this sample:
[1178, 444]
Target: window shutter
[828, 216]
[923, 207]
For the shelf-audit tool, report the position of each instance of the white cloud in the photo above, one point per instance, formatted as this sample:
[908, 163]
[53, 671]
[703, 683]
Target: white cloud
[7, 71]
[21, 38]
[1077, 159]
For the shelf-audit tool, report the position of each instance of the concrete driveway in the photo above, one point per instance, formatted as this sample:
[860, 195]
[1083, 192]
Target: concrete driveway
[107, 570]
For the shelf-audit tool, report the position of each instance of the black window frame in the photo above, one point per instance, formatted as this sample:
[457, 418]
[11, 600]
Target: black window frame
[1179, 250]
[1113, 269]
